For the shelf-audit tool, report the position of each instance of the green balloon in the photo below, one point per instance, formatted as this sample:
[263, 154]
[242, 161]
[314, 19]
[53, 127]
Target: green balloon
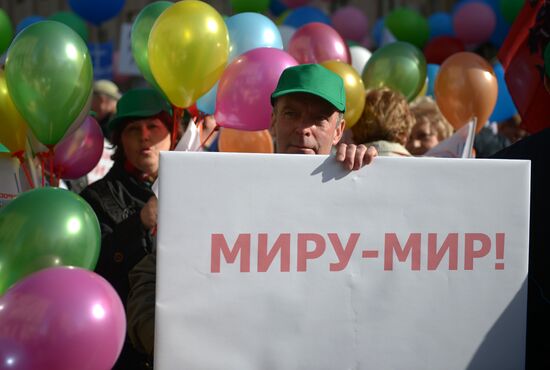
[6, 31]
[241, 6]
[399, 66]
[49, 77]
[547, 60]
[510, 9]
[408, 25]
[3, 149]
[46, 227]
[72, 20]
[140, 37]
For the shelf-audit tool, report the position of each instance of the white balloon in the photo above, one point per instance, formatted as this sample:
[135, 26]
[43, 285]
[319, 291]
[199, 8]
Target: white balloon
[359, 58]
[286, 34]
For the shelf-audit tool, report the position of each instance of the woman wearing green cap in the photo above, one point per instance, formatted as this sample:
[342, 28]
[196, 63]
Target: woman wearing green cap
[123, 200]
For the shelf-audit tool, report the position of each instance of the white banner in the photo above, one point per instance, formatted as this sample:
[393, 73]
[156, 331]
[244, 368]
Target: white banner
[10, 185]
[291, 262]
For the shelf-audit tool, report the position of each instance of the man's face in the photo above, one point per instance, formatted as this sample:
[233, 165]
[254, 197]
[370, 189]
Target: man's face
[305, 124]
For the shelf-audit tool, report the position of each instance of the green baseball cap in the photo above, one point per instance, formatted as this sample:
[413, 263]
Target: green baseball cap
[312, 79]
[139, 103]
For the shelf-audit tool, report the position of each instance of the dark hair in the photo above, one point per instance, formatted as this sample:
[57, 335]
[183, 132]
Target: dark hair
[116, 135]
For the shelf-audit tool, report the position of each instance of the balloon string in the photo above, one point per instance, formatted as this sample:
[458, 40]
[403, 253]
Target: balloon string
[42, 165]
[53, 181]
[209, 136]
[178, 112]
[19, 155]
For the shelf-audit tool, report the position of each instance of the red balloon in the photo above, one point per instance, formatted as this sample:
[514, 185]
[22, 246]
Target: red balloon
[316, 43]
[440, 48]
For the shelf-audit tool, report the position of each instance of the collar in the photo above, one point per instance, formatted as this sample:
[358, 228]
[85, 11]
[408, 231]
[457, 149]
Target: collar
[137, 174]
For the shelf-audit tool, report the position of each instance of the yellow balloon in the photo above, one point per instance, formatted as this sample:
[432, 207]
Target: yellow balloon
[354, 87]
[188, 49]
[13, 129]
[424, 89]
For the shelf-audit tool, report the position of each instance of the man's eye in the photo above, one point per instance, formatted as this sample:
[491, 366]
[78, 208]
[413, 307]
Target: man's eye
[289, 114]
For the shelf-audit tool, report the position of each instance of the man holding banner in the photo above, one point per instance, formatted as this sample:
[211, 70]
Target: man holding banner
[308, 109]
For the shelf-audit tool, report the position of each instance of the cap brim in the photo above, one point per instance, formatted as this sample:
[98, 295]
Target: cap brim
[113, 124]
[275, 95]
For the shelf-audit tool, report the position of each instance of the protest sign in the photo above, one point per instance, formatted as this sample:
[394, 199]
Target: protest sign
[291, 262]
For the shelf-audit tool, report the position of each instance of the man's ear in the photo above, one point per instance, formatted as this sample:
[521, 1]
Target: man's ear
[339, 131]
[272, 128]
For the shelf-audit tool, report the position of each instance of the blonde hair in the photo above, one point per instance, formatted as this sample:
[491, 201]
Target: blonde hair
[386, 116]
[425, 109]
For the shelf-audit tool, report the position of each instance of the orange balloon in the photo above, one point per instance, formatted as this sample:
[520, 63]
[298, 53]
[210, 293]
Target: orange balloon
[240, 141]
[466, 87]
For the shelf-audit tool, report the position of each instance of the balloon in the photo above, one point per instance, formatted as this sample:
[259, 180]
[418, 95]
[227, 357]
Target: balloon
[13, 129]
[244, 93]
[231, 140]
[6, 31]
[350, 22]
[359, 58]
[49, 77]
[408, 25]
[207, 102]
[258, 6]
[304, 15]
[27, 21]
[72, 20]
[249, 31]
[317, 42]
[46, 227]
[96, 11]
[188, 49]
[510, 9]
[286, 34]
[295, 3]
[501, 31]
[378, 30]
[441, 24]
[355, 90]
[432, 71]
[61, 318]
[399, 66]
[4, 149]
[466, 87]
[440, 48]
[504, 108]
[474, 23]
[141, 29]
[79, 153]
[276, 7]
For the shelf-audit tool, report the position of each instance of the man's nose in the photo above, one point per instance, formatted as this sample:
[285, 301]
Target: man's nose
[145, 133]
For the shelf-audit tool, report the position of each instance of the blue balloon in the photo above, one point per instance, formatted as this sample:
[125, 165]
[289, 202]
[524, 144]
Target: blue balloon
[27, 21]
[378, 31]
[501, 31]
[276, 7]
[441, 24]
[96, 11]
[249, 31]
[431, 72]
[304, 15]
[207, 102]
[505, 108]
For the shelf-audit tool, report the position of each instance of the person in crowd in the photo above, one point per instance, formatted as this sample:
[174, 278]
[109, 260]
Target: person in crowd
[385, 123]
[430, 127]
[123, 200]
[104, 100]
[512, 130]
[307, 118]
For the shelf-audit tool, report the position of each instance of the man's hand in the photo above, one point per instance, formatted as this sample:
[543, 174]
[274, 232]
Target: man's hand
[353, 157]
[148, 213]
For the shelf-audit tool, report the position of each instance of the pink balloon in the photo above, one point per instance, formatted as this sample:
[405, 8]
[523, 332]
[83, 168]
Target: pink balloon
[351, 23]
[316, 43]
[243, 101]
[295, 3]
[78, 153]
[61, 318]
[474, 23]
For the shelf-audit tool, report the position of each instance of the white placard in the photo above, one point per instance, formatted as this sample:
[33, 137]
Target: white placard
[291, 262]
[10, 185]
[458, 145]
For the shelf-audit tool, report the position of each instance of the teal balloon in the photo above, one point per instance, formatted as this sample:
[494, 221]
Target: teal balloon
[408, 25]
[46, 227]
[6, 31]
[399, 66]
[49, 76]
[140, 37]
[72, 20]
[3, 149]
